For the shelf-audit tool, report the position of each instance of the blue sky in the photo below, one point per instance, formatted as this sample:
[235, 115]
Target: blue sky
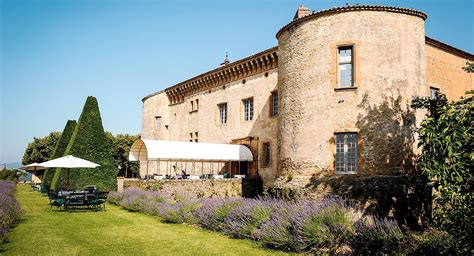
[56, 53]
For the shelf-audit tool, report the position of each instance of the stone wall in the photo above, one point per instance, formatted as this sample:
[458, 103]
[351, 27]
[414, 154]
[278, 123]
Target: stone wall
[405, 198]
[201, 188]
[179, 121]
[444, 71]
[388, 70]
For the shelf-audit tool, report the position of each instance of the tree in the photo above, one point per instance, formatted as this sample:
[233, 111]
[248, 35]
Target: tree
[41, 149]
[11, 174]
[89, 142]
[121, 144]
[469, 68]
[446, 137]
[59, 150]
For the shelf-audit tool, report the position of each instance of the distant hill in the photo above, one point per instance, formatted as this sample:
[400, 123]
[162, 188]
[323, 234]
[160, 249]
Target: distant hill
[16, 165]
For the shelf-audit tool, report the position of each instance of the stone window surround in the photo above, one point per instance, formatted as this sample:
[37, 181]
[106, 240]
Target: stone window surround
[242, 109]
[334, 69]
[194, 106]
[347, 164]
[158, 121]
[218, 114]
[332, 150]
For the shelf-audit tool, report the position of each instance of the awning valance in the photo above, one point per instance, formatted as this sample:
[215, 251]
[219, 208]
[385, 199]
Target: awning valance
[143, 150]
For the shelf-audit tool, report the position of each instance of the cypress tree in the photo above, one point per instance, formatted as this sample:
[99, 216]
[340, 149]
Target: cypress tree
[59, 150]
[90, 143]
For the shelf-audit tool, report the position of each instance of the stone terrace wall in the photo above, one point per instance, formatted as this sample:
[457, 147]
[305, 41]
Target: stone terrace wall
[404, 198]
[201, 188]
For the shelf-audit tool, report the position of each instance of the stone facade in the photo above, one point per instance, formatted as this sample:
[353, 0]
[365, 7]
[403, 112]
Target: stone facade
[392, 62]
[201, 188]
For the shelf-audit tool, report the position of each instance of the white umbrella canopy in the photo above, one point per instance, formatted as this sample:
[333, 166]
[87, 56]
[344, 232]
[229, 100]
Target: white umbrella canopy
[69, 162]
[33, 167]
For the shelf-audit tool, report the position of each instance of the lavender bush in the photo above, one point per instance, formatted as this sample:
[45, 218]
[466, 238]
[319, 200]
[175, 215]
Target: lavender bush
[10, 210]
[375, 236]
[332, 225]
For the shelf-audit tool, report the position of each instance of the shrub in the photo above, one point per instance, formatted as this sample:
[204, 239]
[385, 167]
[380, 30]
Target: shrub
[59, 150]
[445, 137]
[247, 217]
[89, 142]
[10, 210]
[376, 236]
[329, 226]
[277, 232]
[214, 210]
[324, 225]
[179, 212]
[432, 242]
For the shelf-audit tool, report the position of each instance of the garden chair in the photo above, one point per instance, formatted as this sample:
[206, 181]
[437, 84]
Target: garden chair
[75, 200]
[102, 198]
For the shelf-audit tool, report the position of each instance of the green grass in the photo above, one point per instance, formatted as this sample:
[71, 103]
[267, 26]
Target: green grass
[112, 232]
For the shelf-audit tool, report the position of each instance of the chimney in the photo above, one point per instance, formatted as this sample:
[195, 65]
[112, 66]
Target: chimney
[301, 12]
[226, 60]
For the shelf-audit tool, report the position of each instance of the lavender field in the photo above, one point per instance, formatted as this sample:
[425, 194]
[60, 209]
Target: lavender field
[332, 225]
[10, 210]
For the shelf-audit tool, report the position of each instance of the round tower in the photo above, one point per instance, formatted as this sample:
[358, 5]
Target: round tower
[347, 75]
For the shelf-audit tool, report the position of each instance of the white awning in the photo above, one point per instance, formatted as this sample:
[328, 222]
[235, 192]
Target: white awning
[143, 150]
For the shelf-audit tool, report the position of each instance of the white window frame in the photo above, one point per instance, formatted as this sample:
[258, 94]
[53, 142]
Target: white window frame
[222, 113]
[343, 62]
[349, 159]
[433, 90]
[248, 109]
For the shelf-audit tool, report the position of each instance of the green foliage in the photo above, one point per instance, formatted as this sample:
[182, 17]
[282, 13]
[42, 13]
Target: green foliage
[41, 149]
[59, 150]
[89, 142]
[469, 68]
[446, 137]
[319, 230]
[121, 144]
[432, 242]
[11, 174]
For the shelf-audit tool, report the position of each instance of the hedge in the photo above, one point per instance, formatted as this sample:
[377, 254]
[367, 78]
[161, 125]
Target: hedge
[59, 150]
[89, 142]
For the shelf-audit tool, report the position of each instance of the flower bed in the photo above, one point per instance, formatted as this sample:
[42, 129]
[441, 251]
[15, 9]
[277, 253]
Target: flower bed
[9, 208]
[332, 225]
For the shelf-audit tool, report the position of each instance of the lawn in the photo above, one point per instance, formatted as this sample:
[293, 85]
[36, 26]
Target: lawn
[112, 232]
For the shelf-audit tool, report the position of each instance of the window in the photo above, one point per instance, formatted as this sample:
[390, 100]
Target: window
[346, 153]
[274, 110]
[194, 105]
[190, 137]
[222, 113]
[433, 92]
[345, 67]
[196, 137]
[248, 109]
[158, 123]
[266, 154]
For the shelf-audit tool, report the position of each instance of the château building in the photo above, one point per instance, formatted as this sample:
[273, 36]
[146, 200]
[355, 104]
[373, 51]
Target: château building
[332, 98]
